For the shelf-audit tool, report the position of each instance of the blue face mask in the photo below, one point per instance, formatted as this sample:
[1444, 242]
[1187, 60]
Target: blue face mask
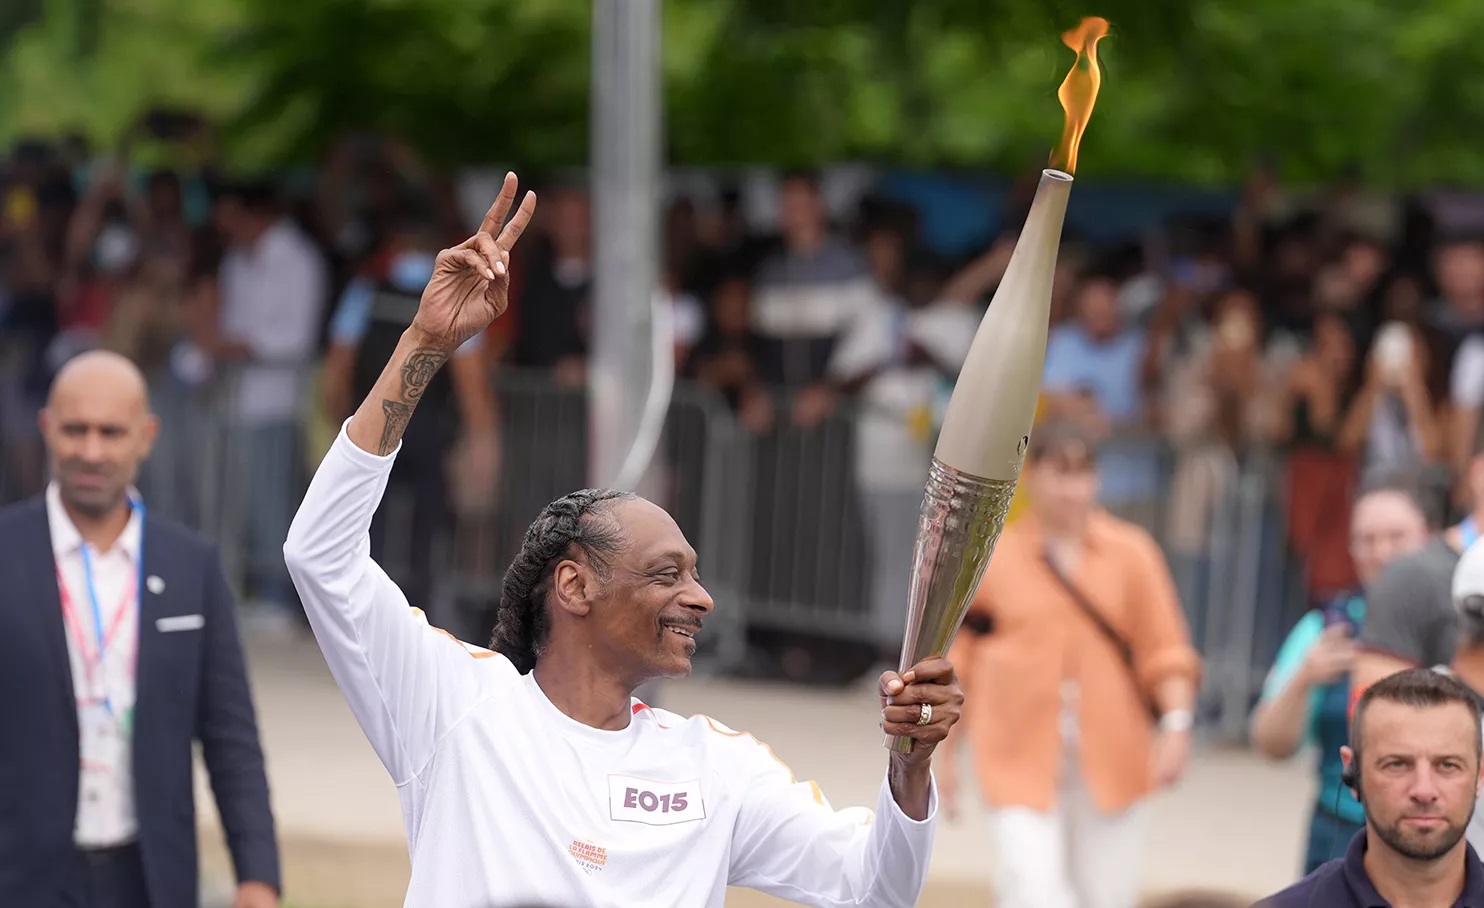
[412, 270]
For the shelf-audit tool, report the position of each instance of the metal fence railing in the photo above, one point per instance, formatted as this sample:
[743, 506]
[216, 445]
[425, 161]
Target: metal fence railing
[1223, 532]
[793, 544]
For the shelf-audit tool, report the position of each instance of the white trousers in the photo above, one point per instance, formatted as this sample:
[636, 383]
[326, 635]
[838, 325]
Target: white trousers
[1075, 856]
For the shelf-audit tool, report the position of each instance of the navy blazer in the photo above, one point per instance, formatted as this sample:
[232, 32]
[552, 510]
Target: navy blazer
[192, 686]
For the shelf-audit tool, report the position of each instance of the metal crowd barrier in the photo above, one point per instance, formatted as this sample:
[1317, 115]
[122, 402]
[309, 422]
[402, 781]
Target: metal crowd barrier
[233, 471]
[1241, 587]
[782, 524]
[787, 545]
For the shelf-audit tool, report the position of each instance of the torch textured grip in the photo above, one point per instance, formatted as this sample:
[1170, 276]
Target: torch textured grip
[962, 516]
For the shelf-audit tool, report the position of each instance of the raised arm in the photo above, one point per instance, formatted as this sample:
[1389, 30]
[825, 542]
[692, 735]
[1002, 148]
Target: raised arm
[1284, 716]
[406, 682]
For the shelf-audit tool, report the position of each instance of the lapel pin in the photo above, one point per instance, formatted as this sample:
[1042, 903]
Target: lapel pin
[154, 584]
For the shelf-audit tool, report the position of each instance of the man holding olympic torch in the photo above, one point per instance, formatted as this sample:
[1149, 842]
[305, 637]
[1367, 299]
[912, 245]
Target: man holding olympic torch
[528, 771]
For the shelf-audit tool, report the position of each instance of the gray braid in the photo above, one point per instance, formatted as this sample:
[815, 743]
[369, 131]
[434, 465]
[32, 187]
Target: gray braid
[572, 521]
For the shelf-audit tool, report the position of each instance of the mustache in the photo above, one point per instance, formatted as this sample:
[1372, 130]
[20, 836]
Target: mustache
[694, 623]
[81, 466]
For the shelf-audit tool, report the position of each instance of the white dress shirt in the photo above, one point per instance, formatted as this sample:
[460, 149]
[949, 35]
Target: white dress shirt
[902, 404]
[105, 801]
[507, 800]
[272, 300]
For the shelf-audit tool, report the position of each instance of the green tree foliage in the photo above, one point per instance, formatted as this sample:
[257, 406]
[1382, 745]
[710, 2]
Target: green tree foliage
[465, 82]
[94, 65]
[1193, 90]
[16, 16]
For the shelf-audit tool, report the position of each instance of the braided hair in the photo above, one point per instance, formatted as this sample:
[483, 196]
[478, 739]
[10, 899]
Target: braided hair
[572, 521]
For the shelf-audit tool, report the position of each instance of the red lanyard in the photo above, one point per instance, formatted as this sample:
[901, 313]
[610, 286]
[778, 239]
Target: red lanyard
[93, 662]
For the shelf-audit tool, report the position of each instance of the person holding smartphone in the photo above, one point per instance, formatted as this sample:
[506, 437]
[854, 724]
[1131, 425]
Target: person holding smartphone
[1307, 693]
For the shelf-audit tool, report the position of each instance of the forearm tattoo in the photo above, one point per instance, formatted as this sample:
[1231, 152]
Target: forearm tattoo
[417, 372]
[397, 414]
[422, 364]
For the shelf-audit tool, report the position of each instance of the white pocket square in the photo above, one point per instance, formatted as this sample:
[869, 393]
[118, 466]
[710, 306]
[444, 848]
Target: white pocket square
[179, 623]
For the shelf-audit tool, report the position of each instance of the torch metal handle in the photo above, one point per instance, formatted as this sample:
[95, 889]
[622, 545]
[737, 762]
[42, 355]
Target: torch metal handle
[960, 522]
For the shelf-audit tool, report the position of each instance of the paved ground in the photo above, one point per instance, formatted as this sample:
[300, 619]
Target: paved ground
[1235, 823]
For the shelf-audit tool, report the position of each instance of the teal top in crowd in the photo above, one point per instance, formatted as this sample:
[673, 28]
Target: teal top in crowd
[1329, 709]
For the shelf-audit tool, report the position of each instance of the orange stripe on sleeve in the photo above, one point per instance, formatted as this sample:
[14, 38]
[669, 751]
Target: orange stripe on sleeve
[461, 645]
[793, 779]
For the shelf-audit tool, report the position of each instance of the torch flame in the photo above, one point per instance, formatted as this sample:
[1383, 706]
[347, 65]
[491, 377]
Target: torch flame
[1079, 90]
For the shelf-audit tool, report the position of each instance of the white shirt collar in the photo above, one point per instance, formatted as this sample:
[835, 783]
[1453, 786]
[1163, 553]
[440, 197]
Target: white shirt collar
[65, 536]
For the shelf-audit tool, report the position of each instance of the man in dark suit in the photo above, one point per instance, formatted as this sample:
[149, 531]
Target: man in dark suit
[118, 651]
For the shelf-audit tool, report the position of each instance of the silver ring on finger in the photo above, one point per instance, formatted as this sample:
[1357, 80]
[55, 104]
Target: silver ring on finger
[925, 714]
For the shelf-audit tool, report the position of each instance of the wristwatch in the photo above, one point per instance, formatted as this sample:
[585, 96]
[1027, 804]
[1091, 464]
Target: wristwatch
[1177, 720]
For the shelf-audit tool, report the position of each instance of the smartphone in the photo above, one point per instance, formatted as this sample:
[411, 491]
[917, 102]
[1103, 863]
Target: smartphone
[1394, 350]
[1338, 612]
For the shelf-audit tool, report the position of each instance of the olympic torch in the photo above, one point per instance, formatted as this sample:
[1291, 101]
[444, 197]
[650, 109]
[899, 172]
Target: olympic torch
[987, 426]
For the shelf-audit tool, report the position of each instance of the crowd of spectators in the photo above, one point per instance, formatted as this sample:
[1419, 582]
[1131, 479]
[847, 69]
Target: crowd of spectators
[1316, 333]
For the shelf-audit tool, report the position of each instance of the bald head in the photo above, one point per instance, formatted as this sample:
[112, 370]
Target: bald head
[98, 429]
[101, 371]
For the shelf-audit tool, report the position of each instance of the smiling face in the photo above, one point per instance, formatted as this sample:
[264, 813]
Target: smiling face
[1419, 771]
[645, 615]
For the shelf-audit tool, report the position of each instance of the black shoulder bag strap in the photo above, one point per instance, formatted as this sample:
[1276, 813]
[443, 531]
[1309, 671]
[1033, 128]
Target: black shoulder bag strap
[1125, 651]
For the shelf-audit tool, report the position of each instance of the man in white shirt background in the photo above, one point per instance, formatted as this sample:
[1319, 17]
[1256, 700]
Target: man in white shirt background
[274, 285]
[118, 654]
[528, 771]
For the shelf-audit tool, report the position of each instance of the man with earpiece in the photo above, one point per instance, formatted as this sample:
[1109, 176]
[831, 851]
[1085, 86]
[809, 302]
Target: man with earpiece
[1413, 763]
[1306, 697]
[1413, 617]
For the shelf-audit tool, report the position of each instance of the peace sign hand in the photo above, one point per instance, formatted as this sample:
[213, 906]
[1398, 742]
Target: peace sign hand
[470, 287]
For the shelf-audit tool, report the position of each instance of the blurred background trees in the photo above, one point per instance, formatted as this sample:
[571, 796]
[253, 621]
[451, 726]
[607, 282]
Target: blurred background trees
[1195, 90]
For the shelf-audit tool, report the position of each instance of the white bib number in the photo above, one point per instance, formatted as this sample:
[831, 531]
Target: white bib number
[632, 800]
